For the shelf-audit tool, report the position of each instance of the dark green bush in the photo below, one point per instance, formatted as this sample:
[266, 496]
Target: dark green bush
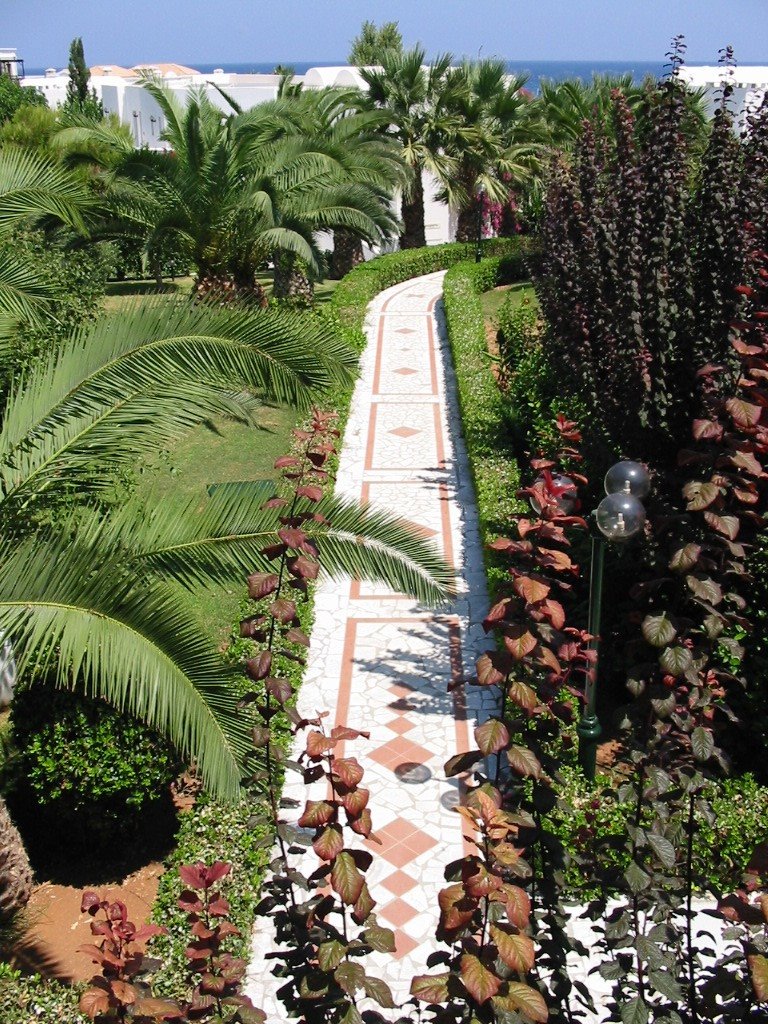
[83, 760]
[592, 823]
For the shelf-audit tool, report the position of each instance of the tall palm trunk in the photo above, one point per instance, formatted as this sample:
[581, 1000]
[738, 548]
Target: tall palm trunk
[347, 253]
[412, 208]
[468, 221]
[291, 281]
[15, 870]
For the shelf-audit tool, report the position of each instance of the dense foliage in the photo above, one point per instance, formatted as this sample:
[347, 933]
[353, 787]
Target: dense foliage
[639, 269]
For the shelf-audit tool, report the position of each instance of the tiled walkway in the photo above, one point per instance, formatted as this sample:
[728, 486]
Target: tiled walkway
[378, 662]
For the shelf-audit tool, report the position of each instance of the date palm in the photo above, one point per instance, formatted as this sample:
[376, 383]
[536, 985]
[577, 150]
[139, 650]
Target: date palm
[417, 100]
[495, 142]
[238, 189]
[94, 595]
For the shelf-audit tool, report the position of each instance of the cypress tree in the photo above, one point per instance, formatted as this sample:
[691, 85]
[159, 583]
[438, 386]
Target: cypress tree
[79, 75]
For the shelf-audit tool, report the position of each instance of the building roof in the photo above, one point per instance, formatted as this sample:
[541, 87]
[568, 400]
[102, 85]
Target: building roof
[112, 69]
[167, 70]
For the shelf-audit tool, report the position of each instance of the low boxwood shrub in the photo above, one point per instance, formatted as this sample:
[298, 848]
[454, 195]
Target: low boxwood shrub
[31, 998]
[489, 442]
[87, 766]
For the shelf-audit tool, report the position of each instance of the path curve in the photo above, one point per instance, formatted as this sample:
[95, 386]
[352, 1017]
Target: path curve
[382, 663]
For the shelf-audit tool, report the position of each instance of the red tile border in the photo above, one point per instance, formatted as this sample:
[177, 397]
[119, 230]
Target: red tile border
[445, 527]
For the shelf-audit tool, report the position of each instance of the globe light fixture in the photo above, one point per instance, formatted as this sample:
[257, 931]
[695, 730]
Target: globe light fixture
[628, 477]
[619, 517]
[563, 491]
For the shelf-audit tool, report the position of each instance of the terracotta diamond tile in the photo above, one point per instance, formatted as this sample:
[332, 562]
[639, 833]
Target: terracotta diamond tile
[405, 371]
[400, 751]
[418, 843]
[404, 945]
[397, 830]
[399, 883]
[422, 531]
[400, 725]
[400, 689]
[398, 912]
[404, 432]
[405, 330]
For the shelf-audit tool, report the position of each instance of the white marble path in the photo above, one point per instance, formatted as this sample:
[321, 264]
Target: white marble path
[382, 663]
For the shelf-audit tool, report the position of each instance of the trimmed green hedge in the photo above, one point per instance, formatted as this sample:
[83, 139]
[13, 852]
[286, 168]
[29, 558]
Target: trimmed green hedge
[489, 444]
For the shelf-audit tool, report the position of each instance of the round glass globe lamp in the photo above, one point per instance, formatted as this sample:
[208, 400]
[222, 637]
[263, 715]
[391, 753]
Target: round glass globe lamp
[566, 497]
[628, 477]
[620, 516]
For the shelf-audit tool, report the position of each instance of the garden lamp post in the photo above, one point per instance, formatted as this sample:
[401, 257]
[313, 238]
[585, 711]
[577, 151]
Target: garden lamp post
[479, 196]
[618, 517]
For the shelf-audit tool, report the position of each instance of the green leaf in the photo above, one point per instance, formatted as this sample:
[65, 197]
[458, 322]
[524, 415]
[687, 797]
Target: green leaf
[516, 950]
[379, 991]
[702, 743]
[479, 981]
[346, 880]
[700, 495]
[523, 999]
[380, 939]
[676, 660]
[524, 762]
[685, 558]
[666, 984]
[350, 976]
[705, 588]
[636, 878]
[330, 954]
[758, 969]
[658, 630]
[635, 1012]
[663, 849]
[430, 988]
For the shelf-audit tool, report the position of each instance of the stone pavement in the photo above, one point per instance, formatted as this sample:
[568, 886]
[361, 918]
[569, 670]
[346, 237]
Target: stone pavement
[381, 663]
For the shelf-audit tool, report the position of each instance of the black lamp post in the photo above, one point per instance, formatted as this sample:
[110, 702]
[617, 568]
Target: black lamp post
[479, 196]
[618, 517]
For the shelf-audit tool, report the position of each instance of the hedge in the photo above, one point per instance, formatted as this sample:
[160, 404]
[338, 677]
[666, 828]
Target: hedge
[492, 459]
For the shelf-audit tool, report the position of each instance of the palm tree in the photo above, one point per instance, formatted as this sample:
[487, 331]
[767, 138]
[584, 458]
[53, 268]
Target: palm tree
[566, 105]
[238, 189]
[495, 141]
[339, 126]
[417, 101]
[32, 189]
[92, 595]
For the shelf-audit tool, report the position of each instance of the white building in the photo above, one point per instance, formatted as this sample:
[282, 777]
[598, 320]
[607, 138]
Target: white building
[749, 84]
[121, 92]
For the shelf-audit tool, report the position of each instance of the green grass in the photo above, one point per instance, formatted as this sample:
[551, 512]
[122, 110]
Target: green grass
[213, 453]
[120, 293]
[492, 301]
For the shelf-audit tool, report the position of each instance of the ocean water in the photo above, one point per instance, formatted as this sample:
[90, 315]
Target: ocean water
[556, 70]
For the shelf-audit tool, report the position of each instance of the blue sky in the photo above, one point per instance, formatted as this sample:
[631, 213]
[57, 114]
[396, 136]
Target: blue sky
[208, 31]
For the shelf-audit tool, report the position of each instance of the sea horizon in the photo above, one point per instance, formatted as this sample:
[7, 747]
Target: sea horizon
[536, 70]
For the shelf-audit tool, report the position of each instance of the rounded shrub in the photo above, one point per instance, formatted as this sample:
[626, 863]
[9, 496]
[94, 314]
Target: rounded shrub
[82, 759]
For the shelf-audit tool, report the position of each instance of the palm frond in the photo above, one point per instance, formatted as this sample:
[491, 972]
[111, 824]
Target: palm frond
[68, 602]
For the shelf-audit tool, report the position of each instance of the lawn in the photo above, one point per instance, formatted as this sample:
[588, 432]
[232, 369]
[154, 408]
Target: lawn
[493, 300]
[217, 452]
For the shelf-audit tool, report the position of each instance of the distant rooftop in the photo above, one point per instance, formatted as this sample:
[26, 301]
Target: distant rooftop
[112, 69]
[166, 69]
